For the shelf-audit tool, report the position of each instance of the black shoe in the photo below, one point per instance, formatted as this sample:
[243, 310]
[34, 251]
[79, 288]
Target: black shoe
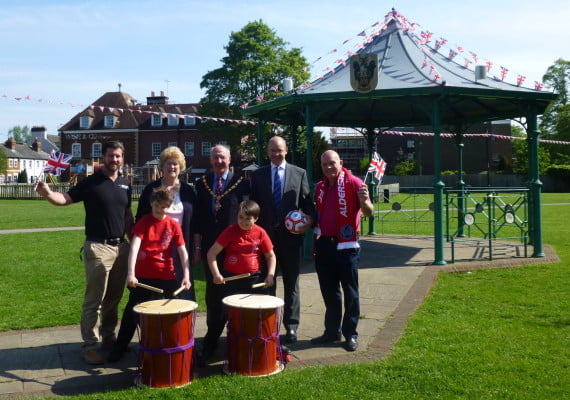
[325, 339]
[116, 353]
[290, 337]
[351, 344]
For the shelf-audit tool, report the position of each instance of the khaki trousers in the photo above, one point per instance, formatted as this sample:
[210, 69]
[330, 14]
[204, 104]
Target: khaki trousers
[105, 277]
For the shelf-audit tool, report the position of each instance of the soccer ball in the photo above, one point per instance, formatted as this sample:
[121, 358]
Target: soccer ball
[297, 222]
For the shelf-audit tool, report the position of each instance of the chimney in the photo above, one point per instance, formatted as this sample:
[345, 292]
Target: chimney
[11, 143]
[39, 131]
[153, 100]
[37, 145]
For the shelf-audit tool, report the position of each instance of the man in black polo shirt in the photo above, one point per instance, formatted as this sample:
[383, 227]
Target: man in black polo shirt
[106, 197]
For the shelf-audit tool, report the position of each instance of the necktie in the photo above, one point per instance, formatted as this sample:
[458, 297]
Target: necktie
[277, 190]
[219, 189]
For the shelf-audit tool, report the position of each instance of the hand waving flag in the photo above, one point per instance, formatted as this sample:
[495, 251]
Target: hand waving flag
[57, 162]
[377, 167]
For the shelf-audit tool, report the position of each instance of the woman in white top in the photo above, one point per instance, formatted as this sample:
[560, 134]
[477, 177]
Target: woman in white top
[171, 163]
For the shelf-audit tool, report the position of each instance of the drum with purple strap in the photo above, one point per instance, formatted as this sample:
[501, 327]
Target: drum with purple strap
[254, 322]
[166, 341]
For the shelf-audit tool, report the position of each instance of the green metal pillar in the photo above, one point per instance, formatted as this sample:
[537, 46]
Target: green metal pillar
[370, 141]
[438, 186]
[460, 186]
[310, 120]
[260, 128]
[535, 185]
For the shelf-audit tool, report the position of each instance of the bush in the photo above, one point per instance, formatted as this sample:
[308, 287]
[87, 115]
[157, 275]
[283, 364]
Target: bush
[405, 168]
[559, 170]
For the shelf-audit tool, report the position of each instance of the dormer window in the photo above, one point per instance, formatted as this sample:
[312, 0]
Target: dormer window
[172, 120]
[85, 122]
[109, 121]
[189, 119]
[156, 120]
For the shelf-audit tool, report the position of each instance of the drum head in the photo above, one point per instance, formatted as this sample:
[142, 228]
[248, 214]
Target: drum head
[253, 301]
[165, 306]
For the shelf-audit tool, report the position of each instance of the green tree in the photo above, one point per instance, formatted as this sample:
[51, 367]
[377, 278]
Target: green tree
[404, 168]
[555, 123]
[3, 162]
[257, 60]
[21, 134]
[23, 177]
[520, 153]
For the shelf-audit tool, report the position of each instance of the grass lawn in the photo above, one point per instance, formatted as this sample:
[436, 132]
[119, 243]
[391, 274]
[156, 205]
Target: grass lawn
[490, 334]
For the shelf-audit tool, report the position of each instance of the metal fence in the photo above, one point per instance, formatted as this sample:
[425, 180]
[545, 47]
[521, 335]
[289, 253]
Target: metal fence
[26, 191]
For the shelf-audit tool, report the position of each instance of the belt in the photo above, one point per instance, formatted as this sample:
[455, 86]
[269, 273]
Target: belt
[110, 241]
[331, 239]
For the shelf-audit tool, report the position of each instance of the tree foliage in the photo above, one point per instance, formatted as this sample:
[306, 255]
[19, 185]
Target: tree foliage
[21, 134]
[23, 176]
[257, 60]
[520, 154]
[555, 122]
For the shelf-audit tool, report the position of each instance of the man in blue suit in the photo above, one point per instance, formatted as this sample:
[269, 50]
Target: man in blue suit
[279, 188]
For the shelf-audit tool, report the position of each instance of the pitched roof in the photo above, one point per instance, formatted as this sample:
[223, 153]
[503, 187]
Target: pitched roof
[131, 115]
[412, 77]
[23, 152]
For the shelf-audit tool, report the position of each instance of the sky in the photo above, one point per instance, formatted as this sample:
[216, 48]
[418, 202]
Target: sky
[60, 56]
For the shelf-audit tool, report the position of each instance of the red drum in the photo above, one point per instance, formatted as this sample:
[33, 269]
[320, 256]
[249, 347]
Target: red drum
[166, 341]
[254, 322]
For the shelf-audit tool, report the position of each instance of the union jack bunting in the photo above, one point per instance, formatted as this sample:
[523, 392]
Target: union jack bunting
[377, 167]
[57, 162]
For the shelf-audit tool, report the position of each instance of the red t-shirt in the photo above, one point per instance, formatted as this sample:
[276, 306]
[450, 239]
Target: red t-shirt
[244, 248]
[154, 260]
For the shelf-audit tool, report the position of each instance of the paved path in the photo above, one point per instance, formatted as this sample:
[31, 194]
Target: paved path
[395, 276]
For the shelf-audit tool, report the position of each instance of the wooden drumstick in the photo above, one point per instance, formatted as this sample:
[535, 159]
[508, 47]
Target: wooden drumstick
[178, 291]
[258, 285]
[151, 288]
[233, 278]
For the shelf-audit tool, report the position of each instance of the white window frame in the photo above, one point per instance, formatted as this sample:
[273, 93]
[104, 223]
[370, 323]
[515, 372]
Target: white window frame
[96, 149]
[155, 149]
[10, 163]
[156, 120]
[206, 149]
[190, 119]
[189, 149]
[85, 122]
[173, 120]
[411, 144]
[109, 121]
[76, 150]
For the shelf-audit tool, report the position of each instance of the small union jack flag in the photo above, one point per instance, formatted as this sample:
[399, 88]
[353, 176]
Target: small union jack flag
[377, 167]
[57, 162]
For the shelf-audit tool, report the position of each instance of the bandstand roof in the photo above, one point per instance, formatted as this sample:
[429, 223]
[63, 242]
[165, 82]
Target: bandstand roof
[412, 76]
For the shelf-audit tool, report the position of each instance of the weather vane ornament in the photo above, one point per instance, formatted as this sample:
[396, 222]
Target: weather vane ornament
[364, 72]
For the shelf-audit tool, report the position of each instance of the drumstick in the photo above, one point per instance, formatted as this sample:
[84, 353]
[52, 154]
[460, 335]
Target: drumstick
[152, 288]
[258, 285]
[178, 291]
[233, 278]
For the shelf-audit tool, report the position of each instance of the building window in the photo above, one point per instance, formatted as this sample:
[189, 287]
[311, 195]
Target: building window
[411, 144]
[172, 120]
[76, 150]
[224, 143]
[10, 163]
[156, 120]
[85, 122]
[109, 121]
[172, 144]
[96, 149]
[206, 148]
[189, 119]
[156, 149]
[189, 149]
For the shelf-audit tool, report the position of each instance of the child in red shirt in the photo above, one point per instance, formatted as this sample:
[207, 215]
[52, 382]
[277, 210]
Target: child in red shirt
[151, 263]
[244, 244]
